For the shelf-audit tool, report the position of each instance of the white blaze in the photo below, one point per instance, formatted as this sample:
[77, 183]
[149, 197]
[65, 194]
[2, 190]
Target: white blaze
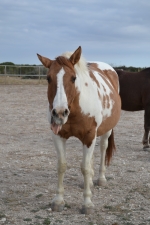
[60, 100]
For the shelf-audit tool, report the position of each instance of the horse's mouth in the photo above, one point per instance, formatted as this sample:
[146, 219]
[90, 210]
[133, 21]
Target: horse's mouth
[55, 127]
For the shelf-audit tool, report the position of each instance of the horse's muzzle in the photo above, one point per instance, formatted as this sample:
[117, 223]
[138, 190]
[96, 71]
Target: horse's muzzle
[58, 118]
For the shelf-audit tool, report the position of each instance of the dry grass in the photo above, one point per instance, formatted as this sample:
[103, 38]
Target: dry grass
[18, 80]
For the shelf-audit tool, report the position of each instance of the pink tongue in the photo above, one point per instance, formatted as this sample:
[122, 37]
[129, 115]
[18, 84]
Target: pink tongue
[55, 128]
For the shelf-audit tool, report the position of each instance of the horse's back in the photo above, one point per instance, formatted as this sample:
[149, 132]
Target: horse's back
[133, 86]
[107, 71]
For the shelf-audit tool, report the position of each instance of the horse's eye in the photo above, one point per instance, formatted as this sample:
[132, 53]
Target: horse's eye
[73, 79]
[49, 79]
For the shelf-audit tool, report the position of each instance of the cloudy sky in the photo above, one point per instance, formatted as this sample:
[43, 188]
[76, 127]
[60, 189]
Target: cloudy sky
[112, 31]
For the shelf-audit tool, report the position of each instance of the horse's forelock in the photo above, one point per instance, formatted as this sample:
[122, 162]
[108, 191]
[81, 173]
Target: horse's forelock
[64, 61]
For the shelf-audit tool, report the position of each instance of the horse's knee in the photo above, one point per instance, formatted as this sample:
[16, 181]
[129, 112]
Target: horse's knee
[62, 167]
[85, 171]
[147, 126]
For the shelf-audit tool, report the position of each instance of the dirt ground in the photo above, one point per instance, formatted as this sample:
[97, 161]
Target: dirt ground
[28, 173]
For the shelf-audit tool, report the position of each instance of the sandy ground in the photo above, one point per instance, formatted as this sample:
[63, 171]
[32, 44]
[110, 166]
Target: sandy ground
[28, 173]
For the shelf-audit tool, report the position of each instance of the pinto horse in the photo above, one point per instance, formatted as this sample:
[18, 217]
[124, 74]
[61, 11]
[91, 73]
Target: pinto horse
[135, 96]
[84, 103]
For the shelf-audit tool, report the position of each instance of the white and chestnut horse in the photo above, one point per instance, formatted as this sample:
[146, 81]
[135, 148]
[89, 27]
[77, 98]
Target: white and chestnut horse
[84, 103]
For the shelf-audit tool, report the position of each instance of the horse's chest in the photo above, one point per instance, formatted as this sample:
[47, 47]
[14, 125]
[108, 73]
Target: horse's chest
[81, 127]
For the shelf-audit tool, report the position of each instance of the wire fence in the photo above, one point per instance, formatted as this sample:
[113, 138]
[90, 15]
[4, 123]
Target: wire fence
[22, 72]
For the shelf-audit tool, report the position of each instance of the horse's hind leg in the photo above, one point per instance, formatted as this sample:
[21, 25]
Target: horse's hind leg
[60, 145]
[146, 145]
[92, 171]
[146, 140]
[103, 146]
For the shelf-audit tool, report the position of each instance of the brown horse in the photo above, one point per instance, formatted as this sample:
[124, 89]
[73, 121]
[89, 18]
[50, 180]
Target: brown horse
[83, 102]
[135, 96]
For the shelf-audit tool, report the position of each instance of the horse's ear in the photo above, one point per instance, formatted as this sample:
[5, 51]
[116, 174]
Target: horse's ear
[45, 61]
[74, 58]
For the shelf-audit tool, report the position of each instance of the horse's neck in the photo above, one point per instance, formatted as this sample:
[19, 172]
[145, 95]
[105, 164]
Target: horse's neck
[89, 102]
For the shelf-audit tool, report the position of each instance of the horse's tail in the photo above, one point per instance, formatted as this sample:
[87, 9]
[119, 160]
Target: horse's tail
[110, 149]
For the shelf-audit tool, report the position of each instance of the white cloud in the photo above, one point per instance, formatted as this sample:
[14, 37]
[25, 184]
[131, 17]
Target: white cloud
[106, 29]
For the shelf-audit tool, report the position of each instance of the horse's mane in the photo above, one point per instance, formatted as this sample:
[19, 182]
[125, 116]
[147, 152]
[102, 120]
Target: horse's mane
[80, 66]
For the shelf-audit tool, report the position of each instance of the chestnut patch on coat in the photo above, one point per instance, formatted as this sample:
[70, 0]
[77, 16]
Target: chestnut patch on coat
[79, 125]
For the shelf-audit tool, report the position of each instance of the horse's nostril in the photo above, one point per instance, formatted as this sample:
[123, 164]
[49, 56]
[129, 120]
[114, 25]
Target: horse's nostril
[66, 112]
[54, 112]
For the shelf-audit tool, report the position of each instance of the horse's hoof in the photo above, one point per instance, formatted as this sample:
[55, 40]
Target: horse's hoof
[146, 148]
[87, 210]
[102, 182]
[56, 207]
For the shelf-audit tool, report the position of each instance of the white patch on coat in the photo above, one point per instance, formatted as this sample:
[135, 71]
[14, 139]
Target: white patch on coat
[89, 100]
[100, 80]
[104, 91]
[60, 100]
[103, 66]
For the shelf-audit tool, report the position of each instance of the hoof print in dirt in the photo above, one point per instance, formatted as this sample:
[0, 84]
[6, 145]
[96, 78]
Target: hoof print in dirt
[57, 208]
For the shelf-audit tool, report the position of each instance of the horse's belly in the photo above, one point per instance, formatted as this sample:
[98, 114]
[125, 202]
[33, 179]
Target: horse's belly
[110, 122]
[131, 104]
[131, 98]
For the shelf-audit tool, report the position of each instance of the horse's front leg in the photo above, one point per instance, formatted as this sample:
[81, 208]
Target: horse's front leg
[60, 145]
[87, 171]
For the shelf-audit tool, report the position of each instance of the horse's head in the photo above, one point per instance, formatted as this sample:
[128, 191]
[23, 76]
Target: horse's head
[61, 87]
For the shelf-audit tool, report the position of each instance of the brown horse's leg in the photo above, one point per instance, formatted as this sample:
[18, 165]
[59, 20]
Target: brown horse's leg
[145, 139]
[146, 128]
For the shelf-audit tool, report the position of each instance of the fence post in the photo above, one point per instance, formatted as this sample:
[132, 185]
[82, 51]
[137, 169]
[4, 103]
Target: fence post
[18, 70]
[39, 74]
[5, 74]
